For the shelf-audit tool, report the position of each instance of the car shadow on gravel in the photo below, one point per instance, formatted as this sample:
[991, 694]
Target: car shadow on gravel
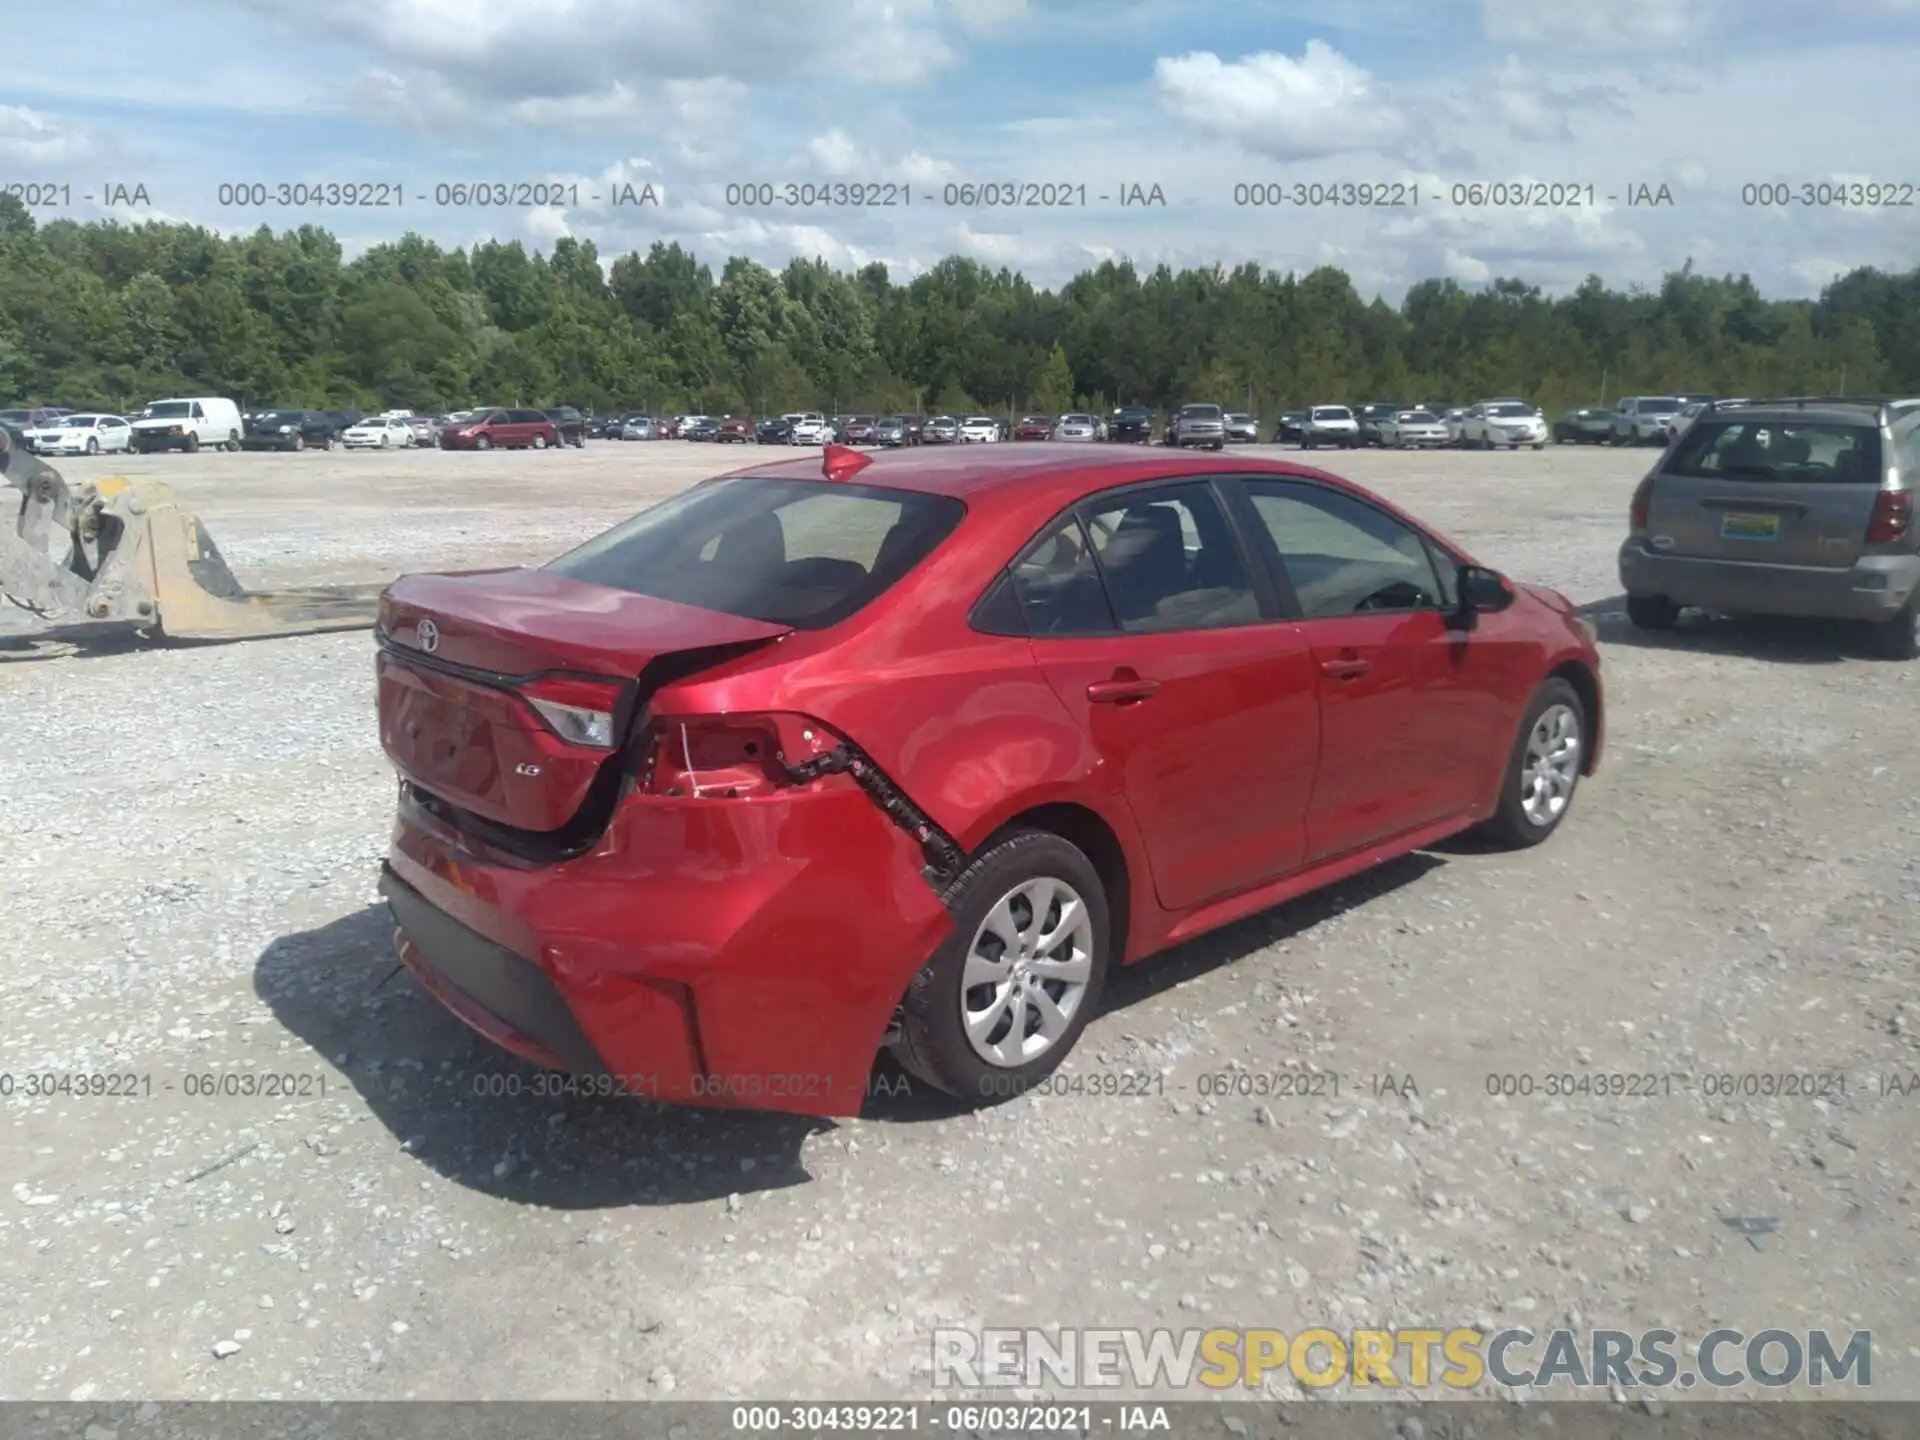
[473, 1112]
[1157, 974]
[1790, 641]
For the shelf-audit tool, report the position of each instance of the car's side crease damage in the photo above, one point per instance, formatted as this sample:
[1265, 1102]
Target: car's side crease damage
[945, 859]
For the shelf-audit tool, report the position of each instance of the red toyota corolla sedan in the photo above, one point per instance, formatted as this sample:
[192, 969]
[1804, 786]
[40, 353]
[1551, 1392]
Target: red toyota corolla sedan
[911, 750]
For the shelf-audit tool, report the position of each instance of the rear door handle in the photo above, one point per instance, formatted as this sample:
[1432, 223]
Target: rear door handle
[1121, 692]
[1345, 669]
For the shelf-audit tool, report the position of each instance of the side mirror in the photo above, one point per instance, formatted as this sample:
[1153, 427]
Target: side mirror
[1482, 592]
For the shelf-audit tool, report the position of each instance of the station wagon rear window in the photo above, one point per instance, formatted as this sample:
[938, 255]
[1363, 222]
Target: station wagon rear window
[1775, 451]
[789, 552]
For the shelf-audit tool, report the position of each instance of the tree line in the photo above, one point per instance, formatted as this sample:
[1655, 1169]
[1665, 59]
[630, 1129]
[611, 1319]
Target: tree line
[104, 315]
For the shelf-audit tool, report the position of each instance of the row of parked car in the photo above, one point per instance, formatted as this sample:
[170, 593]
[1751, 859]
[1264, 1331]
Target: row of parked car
[813, 427]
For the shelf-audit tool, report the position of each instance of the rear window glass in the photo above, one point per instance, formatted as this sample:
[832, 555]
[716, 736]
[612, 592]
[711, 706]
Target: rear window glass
[790, 552]
[1773, 450]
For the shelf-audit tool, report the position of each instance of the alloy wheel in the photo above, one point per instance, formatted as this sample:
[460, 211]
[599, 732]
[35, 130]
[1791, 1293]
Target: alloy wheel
[1550, 765]
[1026, 972]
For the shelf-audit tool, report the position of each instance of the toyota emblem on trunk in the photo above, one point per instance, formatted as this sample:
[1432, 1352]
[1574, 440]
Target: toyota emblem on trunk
[427, 636]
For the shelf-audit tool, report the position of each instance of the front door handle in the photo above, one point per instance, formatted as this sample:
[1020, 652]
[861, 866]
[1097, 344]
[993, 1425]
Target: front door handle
[1345, 669]
[1121, 692]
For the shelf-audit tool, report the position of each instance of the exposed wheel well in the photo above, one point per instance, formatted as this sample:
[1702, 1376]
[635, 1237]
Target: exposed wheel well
[1083, 828]
[1584, 685]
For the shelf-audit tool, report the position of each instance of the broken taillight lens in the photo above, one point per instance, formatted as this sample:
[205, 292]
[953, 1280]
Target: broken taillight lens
[728, 757]
[578, 710]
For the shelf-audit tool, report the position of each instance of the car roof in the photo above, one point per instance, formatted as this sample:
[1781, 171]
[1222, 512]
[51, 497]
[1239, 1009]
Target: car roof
[977, 471]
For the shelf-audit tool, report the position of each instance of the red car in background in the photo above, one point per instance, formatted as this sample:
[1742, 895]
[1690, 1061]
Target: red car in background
[1034, 427]
[503, 430]
[913, 751]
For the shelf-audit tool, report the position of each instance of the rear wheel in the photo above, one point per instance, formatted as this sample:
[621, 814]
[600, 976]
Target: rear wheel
[1008, 993]
[1899, 637]
[1652, 612]
[1544, 769]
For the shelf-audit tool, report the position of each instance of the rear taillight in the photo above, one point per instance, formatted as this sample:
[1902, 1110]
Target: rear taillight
[728, 756]
[1642, 503]
[579, 711]
[1892, 516]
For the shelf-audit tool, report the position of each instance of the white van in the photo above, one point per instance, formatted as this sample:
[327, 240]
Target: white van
[188, 425]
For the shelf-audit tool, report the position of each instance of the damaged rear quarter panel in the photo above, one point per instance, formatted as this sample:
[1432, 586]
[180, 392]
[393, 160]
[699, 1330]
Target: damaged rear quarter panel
[964, 724]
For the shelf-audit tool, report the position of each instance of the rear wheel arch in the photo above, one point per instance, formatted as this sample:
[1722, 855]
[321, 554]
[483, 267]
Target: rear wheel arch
[1092, 835]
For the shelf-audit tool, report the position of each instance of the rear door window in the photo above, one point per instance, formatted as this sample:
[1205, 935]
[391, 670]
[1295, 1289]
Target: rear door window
[1170, 560]
[803, 553]
[1759, 451]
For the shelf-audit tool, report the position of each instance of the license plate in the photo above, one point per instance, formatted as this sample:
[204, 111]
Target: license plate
[1736, 526]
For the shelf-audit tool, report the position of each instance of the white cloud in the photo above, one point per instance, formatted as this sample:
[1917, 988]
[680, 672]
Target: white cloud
[547, 223]
[1639, 27]
[775, 243]
[509, 51]
[1533, 105]
[986, 16]
[918, 169]
[33, 140]
[1319, 105]
[835, 153]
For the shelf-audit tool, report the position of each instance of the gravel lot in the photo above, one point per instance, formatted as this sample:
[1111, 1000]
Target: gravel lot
[193, 838]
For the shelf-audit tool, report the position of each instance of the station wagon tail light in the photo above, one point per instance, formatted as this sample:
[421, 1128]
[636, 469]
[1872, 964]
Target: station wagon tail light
[1892, 516]
[729, 757]
[1642, 503]
[578, 710]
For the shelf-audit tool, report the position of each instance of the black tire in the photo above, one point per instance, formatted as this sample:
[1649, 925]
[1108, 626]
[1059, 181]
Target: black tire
[299, 442]
[1898, 638]
[539, 442]
[933, 1044]
[1512, 827]
[191, 444]
[483, 443]
[233, 445]
[93, 446]
[1652, 612]
[1309, 445]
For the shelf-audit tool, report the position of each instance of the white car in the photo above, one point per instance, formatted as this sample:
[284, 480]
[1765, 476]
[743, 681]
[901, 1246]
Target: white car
[1413, 430]
[1076, 427]
[1493, 424]
[82, 435]
[1456, 423]
[1330, 425]
[380, 432]
[978, 430]
[809, 428]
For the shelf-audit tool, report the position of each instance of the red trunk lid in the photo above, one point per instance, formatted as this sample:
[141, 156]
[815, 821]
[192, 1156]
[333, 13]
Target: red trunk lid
[456, 648]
